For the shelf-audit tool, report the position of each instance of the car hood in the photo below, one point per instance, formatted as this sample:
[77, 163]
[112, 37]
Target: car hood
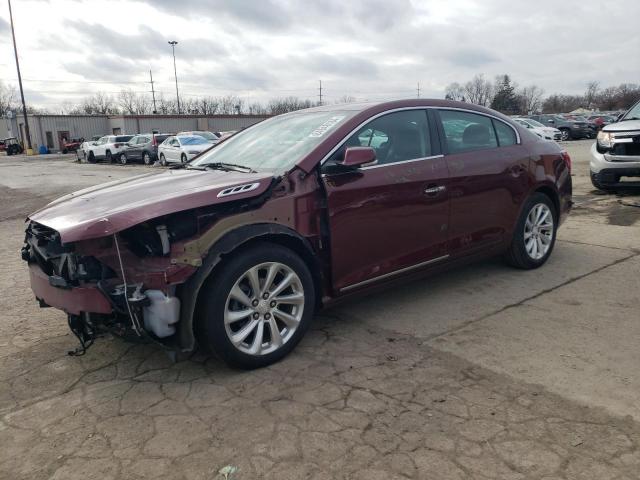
[115, 206]
[623, 126]
[198, 147]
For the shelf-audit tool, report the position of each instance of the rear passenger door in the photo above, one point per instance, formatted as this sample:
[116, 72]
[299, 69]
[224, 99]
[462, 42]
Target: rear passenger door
[489, 175]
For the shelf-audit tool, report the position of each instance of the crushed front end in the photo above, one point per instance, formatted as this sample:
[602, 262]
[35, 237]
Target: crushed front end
[124, 283]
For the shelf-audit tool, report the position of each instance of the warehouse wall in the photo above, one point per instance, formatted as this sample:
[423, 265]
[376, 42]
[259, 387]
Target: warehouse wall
[86, 126]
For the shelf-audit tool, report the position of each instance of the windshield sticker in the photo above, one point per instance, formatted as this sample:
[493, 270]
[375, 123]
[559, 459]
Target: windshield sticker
[326, 126]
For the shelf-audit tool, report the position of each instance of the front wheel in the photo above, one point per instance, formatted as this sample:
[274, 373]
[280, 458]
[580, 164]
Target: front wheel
[565, 134]
[108, 157]
[123, 159]
[255, 309]
[535, 233]
[183, 158]
[163, 160]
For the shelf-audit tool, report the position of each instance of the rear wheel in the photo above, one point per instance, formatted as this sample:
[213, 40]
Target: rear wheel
[255, 309]
[123, 159]
[163, 160]
[146, 158]
[183, 158]
[108, 157]
[535, 233]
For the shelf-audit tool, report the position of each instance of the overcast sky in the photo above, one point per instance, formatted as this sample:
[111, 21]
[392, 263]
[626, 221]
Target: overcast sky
[370, 49]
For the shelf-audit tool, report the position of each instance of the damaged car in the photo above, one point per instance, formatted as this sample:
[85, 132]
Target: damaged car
[234, 251]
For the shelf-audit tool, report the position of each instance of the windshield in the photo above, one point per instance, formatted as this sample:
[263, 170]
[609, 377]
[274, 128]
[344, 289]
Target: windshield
[194, 140]
[633, 113]
[535, 123]
[208, 135]
[277, 143]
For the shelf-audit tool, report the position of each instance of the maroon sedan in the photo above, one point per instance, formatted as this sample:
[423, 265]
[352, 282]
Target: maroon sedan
[235, 250]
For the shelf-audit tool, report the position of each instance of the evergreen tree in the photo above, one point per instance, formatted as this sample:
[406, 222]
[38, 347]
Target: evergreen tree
[505, 99]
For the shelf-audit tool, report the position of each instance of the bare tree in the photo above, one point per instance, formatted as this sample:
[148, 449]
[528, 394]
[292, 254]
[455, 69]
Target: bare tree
[98, 103]
[133, 103]
[479, 90]
[345, 99]
[531, 99]
[229, 105]
[455, 91]
[591, 94]
[281, 105]
[8, 98]
[205, 105]
[256, 108]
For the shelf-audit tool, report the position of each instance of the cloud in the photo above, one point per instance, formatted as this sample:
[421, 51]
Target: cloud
[471, 57]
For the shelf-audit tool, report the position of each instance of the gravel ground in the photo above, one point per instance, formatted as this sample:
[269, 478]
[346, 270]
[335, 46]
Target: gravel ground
[481, 373]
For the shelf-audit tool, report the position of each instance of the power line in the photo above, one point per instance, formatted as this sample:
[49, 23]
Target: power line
[153, 92]
[418, 89]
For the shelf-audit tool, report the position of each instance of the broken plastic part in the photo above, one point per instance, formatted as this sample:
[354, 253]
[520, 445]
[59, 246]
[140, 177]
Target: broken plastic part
[161, 313]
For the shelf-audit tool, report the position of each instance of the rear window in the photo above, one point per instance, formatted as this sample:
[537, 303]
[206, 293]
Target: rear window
[161, 138]
[124, 138]
[506, 135]
[466, 132]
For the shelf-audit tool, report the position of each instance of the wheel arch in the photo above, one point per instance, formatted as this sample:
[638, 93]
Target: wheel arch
[232, 243]
[551, 193]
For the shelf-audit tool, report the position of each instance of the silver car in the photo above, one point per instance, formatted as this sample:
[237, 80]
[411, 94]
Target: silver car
[616, 153]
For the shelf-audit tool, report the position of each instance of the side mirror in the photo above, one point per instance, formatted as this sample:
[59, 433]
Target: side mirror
[551, 121]
[358, 156]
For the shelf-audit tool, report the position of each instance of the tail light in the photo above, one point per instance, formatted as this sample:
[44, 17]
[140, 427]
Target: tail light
[567, 159]
[118, 145]
[154, 141]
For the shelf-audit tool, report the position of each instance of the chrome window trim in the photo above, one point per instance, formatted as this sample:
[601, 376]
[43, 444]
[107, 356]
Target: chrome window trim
[394, 273]
[402, 109]
[401, 162]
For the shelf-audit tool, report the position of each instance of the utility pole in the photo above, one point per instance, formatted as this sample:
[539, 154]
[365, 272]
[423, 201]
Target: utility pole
[320, 94]
[173, 44]
[153, 93]
[24, 106]
[418, 89]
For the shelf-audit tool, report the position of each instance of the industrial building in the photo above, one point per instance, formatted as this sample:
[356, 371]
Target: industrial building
[49, 130]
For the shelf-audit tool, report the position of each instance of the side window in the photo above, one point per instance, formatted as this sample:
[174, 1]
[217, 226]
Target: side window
[506, 135]
[396, 137]
[466, 131]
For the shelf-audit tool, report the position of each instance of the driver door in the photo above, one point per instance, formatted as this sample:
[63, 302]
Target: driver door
[390, 217]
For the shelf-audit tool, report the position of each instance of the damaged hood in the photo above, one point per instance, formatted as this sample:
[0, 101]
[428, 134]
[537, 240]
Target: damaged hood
[115, 206]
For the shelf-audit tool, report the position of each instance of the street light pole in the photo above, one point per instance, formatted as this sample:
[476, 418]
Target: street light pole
[173, 44]
[24, 106]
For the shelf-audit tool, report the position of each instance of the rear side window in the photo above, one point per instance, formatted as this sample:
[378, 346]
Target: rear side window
[123, 138]
[466, 131]
[506, 135]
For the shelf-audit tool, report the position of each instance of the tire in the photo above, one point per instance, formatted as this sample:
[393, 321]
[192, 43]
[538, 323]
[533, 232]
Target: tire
[146, 158]
[64, 150]
[163, 160]
[599, 185]
[565, 134]
[108, 157]
[183, 158]
[91, 158]
[528, 249]
[216, 302]
[123, 159]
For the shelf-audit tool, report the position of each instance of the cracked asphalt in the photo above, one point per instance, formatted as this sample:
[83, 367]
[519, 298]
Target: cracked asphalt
[481, 373]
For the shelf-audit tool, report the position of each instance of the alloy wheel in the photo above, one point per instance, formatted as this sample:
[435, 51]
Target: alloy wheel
[264, 308]
[123, 159]
[146, 158]
[538, 231]
[564, 136]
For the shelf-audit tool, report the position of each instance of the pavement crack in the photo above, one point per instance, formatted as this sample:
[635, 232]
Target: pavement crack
[528, 299]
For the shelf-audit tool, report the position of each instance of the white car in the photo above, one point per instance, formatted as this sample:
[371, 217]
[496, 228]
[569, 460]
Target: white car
[547, 133]
[107, 147]
[210, 136]
[182, 148]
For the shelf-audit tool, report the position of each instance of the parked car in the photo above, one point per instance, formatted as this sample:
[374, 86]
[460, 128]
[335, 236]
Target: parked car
[548, 133]
[142, 148]
[83, 149]
[236, 250]
[601, 120]
[72, 145]
[616, 152]
[107, 148]
[181, 148]
[210, 136]
[11, 145]
[570, 129]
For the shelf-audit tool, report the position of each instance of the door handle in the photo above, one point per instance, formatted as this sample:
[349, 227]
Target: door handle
[434, 190]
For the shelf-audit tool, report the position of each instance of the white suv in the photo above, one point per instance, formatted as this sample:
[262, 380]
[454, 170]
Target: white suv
[107, 147]
[616, 153]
